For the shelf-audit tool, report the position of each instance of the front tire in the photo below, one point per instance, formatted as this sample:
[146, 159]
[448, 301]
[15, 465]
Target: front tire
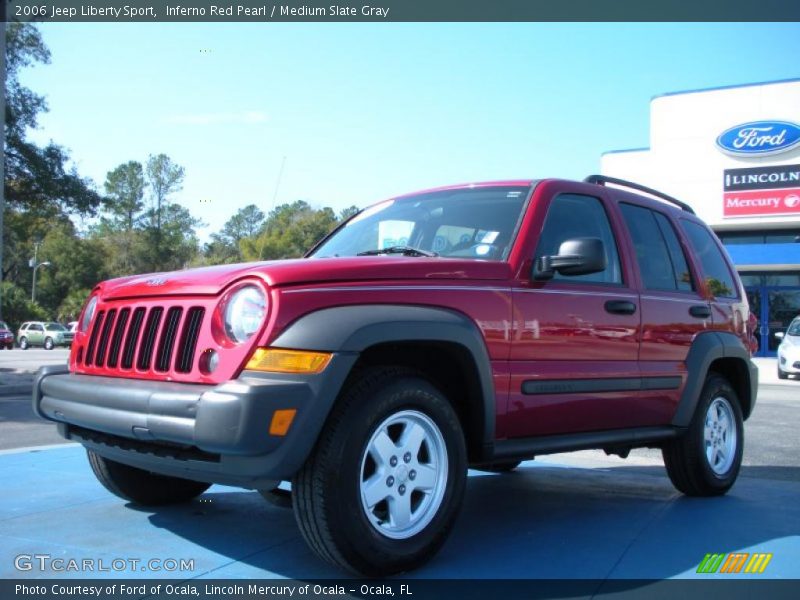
[48, 344]
[705, 461]
[384, 484]
[143, 487]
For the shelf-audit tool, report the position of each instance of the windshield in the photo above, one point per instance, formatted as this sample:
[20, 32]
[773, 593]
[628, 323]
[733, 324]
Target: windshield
[465, 223]
[794, 328]
[55, 327]
[3, 325]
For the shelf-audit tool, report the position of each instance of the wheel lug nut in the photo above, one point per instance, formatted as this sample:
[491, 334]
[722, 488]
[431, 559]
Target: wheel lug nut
[412, 475]
[402, 489]
[390, 481]
[393, 461]
[407, 457]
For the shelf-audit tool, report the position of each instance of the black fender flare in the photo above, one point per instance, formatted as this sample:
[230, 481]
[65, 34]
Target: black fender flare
[706, 348]
[354, 329]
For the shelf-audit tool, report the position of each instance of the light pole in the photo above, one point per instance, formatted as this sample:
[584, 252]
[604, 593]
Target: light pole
[34, 264]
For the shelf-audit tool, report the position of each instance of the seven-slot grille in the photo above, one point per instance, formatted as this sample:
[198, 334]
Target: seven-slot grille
[151, 338]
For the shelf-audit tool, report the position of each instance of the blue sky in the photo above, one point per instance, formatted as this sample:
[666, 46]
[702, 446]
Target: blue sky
[366, 111]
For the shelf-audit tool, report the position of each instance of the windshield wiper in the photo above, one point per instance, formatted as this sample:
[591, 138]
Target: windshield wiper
[404, 250]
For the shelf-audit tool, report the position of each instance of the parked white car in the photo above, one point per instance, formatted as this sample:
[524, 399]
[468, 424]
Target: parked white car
[789, 350]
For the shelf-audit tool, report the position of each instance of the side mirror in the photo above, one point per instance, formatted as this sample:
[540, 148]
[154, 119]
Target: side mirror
[779, 335]
[577, 256]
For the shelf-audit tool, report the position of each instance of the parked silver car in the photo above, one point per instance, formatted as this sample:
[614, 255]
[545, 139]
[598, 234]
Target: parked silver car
[46, 334]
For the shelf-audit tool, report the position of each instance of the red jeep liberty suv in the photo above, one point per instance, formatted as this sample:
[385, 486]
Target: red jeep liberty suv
[468, 326]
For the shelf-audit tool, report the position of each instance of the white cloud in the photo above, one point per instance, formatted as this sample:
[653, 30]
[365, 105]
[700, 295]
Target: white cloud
[248, 117]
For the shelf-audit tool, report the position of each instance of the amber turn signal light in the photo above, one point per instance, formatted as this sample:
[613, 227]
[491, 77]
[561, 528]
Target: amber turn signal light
[281, 421]
[277, 360]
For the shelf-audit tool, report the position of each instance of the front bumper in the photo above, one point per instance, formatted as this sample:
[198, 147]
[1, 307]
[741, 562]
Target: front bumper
[218, 434]
[789, 363]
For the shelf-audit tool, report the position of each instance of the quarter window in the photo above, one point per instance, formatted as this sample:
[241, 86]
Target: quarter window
[658, 252]
[574, 216]
[715, 268]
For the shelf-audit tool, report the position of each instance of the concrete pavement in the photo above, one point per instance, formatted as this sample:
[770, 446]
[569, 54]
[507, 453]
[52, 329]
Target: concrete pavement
[18, 366]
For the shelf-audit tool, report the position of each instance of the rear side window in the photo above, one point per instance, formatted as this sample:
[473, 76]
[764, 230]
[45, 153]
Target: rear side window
[658, 252]
[574, 216]
[715, 268]
[683, 276]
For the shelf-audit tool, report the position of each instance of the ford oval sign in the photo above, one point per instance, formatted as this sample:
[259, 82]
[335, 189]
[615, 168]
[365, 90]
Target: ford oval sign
[759, 138]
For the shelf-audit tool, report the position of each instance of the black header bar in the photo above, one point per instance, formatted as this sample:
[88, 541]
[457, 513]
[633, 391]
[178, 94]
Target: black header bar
[149, 11]
[398, 589]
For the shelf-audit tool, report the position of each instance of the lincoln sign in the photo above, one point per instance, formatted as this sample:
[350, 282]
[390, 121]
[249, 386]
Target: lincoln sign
[761, 191]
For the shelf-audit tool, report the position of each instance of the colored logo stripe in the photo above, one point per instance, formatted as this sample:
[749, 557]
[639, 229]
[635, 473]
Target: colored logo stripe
[758, 563]
[734, 562]
[710, 563]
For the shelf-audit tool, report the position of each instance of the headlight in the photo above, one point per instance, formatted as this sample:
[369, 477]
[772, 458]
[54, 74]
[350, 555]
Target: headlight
[88, 314]
[244, 312]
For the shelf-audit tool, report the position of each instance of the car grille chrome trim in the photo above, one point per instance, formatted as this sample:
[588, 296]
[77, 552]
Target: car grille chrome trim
[153, 338]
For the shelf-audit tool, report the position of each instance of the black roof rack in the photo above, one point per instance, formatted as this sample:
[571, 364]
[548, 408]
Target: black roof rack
[602, 180]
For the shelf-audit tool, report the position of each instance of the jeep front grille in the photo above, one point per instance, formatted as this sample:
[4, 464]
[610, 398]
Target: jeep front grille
[153, 338]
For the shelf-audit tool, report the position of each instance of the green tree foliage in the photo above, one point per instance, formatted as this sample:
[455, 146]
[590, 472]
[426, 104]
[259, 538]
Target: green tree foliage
[17, 307]
[75, 263]
[173, 245]
[290, 231]
[41, 189]
[348, 212]
[70, 308]
[224, 247]
[125, 187]
[37, 179]
[164, 178]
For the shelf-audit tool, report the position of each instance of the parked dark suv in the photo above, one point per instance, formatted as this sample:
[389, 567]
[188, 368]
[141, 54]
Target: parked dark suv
[476, 325]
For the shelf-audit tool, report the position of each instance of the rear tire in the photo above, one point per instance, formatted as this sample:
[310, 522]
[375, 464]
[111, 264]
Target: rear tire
[143, 487]
[23, 343]
[705, 461]
[383, 486]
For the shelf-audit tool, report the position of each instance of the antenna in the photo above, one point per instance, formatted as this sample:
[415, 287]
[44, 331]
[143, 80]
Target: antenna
[278, 181]
[274, 198]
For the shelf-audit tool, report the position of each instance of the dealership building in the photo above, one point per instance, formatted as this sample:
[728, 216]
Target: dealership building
[733, 154]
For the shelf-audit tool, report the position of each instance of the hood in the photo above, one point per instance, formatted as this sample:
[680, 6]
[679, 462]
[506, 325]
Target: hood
[791, 341]
[210, 280]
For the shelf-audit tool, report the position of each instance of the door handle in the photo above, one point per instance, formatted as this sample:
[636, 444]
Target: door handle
[700, 311]
[620, 307]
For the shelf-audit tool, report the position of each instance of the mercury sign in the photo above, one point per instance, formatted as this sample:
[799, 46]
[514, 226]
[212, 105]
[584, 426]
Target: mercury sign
[759, 138]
